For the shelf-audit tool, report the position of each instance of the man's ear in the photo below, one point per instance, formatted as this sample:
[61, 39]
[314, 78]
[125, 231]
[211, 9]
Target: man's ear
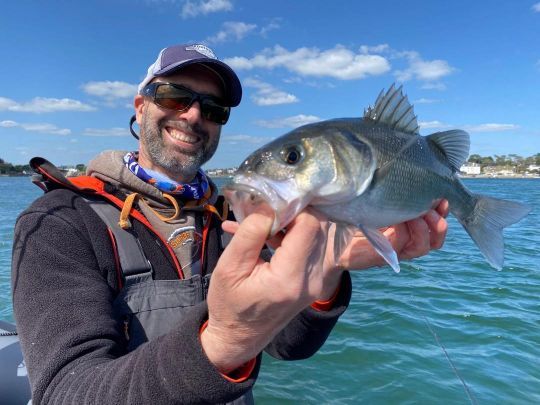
[138, 103]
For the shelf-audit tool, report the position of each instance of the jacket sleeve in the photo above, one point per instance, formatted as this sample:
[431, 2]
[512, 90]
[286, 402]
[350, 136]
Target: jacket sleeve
[308, 331]
[73, 346]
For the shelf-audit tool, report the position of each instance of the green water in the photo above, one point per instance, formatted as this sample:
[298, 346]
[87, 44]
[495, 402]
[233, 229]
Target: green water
[383, 350]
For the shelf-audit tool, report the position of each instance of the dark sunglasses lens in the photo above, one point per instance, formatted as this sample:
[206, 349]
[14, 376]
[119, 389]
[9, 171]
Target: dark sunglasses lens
[215, 112]
[180, 99]
[174, 103]
[173, 98]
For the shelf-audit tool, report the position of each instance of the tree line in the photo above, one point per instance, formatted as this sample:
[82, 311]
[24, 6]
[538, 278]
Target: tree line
[520, 163]
[10, 169]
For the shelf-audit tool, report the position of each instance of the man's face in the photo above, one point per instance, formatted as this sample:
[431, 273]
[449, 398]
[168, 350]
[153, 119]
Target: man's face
[178, 143]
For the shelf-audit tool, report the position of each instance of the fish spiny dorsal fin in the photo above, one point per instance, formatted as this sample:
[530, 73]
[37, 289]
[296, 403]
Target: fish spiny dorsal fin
[455, 145]
[394, 109]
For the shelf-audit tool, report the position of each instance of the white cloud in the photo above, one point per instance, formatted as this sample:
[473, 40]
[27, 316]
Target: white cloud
[271, 26]
[37, 127]
[267, 94]
[491, 127]
[338, 62]
[110, 89]
[291, 122]
[536, 8]
[232, 31]
[106, 132]
[242, 139]
[44, 105]
[6, 104]
[433, 125]
[426, 101]
[433, 86]
[8, 124]
[420, 69]
[204, 7]
[382, 48]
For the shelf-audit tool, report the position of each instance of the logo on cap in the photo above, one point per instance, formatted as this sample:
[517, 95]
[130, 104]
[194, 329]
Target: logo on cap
[202, 49]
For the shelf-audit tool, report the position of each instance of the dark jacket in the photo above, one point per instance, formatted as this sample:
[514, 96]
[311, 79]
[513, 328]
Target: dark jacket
[64, 285]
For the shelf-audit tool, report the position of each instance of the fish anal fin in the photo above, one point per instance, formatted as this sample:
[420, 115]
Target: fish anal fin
[382, 246]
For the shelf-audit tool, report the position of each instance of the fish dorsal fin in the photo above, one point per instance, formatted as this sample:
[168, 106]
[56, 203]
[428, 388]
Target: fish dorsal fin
[394, 110]
[454, 144]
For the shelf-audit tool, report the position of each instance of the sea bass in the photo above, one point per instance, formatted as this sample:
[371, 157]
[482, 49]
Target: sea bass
[368, 173]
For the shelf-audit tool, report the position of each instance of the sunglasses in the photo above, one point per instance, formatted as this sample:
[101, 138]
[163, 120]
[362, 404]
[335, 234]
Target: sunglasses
[179, 98]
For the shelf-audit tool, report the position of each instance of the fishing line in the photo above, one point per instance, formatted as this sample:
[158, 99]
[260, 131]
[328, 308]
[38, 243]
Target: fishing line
[467, 391]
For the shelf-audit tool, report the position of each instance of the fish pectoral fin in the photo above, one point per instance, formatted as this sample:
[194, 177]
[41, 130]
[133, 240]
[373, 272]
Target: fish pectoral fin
[382, 246]
[342, 237]
[455, 144]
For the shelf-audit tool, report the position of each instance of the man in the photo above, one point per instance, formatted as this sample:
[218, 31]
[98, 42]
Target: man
[93, 332]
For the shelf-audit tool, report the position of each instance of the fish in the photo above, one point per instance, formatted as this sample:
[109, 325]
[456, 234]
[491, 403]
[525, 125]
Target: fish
[367, 173]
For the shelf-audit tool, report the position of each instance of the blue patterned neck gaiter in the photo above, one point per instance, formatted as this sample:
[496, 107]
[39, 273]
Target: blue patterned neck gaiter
[190, 191]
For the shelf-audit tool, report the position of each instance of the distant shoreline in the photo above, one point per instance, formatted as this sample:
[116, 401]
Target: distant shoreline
[482, 176]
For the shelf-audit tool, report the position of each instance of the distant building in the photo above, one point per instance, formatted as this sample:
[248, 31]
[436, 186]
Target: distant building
[226, 172]
[69, 171]
[506, 173]
[470, 169]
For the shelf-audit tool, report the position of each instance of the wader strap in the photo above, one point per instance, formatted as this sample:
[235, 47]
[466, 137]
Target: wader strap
[133, 261]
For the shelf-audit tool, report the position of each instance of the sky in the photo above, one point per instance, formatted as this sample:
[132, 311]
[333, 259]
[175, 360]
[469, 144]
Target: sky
[69, 69]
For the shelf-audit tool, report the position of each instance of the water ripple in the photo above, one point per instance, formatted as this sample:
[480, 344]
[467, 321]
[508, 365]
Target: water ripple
[382, 349]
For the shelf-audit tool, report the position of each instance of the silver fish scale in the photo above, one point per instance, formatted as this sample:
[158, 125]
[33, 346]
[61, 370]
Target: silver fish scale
[412, 174]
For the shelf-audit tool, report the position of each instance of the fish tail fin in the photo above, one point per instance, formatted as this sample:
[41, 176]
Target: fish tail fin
[486, 223]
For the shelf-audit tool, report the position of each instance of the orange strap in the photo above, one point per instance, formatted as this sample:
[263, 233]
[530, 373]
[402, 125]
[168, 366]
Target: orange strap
[87, 183]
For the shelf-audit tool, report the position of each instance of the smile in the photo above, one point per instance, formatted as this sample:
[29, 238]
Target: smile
[182, 136]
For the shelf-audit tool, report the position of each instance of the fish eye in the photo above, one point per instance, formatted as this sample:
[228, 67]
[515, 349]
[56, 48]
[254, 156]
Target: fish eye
[292, 154]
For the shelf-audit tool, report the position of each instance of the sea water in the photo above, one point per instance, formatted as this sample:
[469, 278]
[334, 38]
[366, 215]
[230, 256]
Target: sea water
[447, 329]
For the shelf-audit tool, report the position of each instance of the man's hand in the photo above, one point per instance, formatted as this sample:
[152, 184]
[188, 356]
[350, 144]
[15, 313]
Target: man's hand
[410, 239]
[250, 300]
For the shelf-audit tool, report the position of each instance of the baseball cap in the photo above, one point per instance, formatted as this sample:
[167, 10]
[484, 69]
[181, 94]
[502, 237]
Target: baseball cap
[176, 57]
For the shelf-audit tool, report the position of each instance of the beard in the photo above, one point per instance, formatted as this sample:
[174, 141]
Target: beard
[176, 163]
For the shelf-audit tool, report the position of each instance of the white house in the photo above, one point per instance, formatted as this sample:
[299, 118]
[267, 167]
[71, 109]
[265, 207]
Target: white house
[470, 168]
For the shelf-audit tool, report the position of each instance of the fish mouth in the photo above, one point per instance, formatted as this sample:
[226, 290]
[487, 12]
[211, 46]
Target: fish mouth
[249, 193]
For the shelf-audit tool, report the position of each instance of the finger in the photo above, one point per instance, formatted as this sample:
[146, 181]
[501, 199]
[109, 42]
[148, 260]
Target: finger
[443, 208]
[419, 243]
[398, 235]
[242, 252]
[274, 242]
[437, 228]
[304, 241]
[230, 226]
